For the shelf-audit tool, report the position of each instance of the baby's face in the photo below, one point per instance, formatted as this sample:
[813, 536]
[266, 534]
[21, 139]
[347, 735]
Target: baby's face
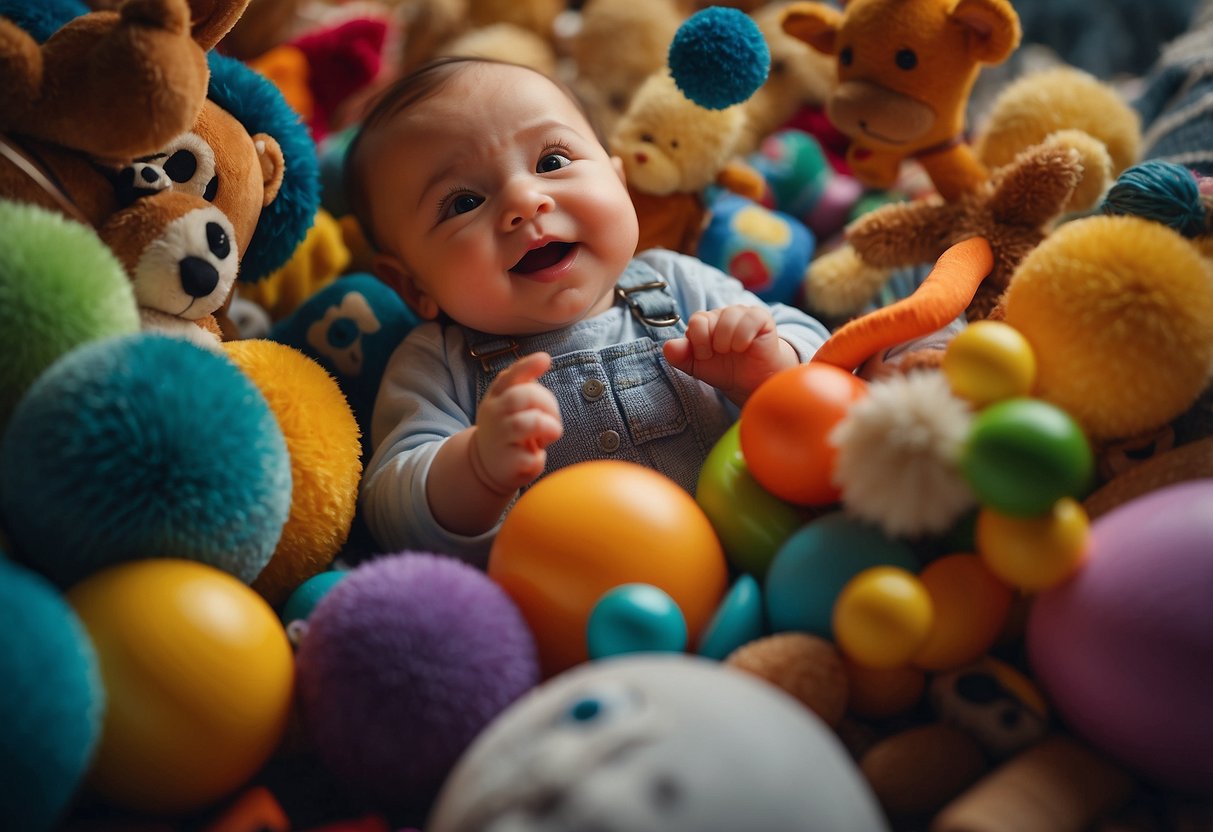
[496, 204]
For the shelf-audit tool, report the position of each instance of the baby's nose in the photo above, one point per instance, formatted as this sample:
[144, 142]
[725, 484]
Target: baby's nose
[524, 205]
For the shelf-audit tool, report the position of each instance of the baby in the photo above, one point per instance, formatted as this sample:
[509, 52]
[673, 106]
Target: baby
[499, 217]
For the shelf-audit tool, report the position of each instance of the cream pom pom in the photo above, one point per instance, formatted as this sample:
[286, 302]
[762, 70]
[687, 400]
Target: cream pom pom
[897, 455]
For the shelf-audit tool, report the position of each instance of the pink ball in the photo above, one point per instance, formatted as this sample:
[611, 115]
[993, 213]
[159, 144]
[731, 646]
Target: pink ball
[1125, 649]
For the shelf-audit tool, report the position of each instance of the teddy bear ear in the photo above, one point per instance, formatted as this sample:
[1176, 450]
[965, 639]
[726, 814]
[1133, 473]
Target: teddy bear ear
[814, 23]
[273, 165]
[212, 19]
[993, 28]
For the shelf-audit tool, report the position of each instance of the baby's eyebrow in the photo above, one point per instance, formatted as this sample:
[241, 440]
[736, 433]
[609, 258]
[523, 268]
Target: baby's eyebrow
[442, 173]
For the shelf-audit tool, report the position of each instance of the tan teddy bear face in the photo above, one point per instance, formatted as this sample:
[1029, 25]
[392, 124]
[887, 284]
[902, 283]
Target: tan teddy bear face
[668, 144]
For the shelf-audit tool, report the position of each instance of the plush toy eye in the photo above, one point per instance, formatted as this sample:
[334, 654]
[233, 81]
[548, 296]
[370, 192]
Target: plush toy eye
[906, 59]
[647, 138]
[600, 707]
[674, 144]
[846, 56]
[778, 67]
[181, 166]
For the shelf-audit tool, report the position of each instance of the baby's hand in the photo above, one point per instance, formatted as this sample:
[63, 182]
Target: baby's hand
[734, 349]
[517, 419]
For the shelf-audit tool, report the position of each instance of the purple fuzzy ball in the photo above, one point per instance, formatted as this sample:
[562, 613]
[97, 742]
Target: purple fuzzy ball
[404, 662]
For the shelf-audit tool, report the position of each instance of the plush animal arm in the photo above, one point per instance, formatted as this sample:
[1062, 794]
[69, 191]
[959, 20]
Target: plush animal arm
[1013, 211]
[112, 84]
[905, 71]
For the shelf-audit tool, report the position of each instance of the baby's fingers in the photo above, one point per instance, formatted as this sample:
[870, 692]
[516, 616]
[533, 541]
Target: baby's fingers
[738, 326]
[526, 369]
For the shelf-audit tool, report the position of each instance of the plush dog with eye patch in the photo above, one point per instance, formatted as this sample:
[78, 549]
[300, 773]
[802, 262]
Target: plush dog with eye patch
[905, 71]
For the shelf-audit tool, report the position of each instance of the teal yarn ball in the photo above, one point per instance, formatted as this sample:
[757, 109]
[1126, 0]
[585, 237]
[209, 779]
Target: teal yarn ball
[719, 57]
[143, 446]
[60, 287]
[51, 703]
[1161, 191]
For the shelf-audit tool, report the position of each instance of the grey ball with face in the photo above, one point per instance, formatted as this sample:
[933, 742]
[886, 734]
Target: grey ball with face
[667, 742]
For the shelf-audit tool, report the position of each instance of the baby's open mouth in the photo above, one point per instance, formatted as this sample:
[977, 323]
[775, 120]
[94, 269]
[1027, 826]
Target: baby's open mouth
[541, 258]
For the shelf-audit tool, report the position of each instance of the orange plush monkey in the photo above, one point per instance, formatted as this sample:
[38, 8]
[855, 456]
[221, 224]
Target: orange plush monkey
[905, 71]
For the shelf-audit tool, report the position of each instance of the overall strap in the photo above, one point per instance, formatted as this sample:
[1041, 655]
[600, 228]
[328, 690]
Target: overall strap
[651, 301]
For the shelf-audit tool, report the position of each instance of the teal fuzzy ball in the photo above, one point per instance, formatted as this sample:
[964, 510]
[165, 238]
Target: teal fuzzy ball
[51, 702]
[60, 286]
[138, 447]
[719, 57]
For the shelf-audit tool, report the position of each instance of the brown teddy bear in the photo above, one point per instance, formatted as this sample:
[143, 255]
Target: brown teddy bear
[136, 77]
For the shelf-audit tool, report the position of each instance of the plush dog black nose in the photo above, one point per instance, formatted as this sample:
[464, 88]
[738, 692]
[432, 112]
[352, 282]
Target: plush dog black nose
[198, 277]
[217, 240]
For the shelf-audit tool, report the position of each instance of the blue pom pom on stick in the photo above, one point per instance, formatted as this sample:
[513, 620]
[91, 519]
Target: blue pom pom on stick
[719, 57]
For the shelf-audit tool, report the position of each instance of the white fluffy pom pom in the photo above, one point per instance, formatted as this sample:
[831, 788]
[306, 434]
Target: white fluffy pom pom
[897, 455]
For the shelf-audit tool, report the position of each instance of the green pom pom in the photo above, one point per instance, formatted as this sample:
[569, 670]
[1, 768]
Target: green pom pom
[60, 287]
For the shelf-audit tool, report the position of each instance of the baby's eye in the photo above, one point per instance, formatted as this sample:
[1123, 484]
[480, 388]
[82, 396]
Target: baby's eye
[553, 161]
[460, 204]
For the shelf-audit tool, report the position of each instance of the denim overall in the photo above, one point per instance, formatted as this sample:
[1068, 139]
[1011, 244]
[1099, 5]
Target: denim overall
[621, 401]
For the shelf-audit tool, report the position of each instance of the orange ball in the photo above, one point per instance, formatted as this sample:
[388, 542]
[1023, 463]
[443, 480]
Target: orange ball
[593, 526]
[971, 608]
[785, 428]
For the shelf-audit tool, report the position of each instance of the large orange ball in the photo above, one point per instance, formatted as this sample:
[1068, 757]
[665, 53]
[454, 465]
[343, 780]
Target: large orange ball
[590, 527]
[785, 428]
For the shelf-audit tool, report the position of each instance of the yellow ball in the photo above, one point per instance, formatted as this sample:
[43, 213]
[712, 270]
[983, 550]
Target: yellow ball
[882, 617]
[322, 438]
[971, 607]
[198, 675]
[1034, 553]
[989, 361]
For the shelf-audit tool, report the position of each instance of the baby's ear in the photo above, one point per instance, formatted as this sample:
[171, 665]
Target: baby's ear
[617, 162]
[392, 271]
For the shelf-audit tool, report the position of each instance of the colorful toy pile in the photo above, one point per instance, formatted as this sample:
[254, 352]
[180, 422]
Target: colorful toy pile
[953, 573]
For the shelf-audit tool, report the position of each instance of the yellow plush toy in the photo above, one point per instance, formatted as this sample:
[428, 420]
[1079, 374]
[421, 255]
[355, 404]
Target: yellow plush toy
[606, 75]
[672, 149]
[905, 70]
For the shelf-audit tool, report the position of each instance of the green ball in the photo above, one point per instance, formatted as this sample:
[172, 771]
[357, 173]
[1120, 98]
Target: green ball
[751, 522]
[60, 287]
[1023, 455]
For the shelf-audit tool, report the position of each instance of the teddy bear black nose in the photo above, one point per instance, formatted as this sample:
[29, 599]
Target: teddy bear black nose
[217, 240]
[198, 277]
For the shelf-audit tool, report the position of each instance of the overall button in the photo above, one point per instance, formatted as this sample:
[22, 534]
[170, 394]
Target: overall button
[592, 389]
[608, 441]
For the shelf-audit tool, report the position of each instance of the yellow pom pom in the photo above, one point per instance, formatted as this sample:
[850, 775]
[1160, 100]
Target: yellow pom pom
[1119, 312]
[322, 438]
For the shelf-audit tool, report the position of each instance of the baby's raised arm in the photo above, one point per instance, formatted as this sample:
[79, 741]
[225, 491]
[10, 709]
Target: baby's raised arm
[478, 470]
[734, 349]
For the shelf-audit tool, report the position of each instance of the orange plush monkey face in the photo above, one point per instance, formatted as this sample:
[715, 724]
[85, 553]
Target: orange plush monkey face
[905, 70]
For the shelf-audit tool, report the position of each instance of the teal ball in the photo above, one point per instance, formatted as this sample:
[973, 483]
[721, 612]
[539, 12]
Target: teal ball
[51, 703]
[143, 446]
[1022, 455]
[815, 563]
[738, 620]
[309, 593]
[60, 287]
[635, 618]
[719, 57]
